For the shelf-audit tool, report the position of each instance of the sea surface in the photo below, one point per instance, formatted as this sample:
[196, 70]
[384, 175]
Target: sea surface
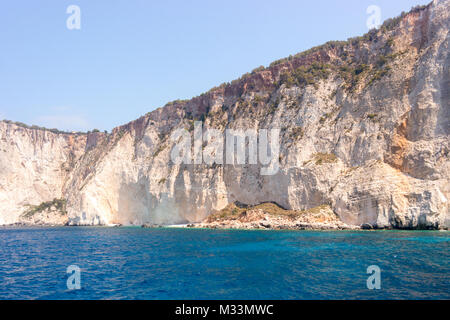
[136, 263]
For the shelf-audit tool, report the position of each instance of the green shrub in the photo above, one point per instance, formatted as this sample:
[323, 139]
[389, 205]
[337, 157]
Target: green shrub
[58, 204]
[158, 151]
[306, 75]
[322, 158]
[297, 132]
[260, 68]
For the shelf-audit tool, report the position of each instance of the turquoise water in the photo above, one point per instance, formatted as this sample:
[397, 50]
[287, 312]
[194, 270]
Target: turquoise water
[135, 263]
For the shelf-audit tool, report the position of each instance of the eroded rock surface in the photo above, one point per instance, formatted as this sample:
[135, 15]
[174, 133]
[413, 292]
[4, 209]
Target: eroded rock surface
[364, 128]
[271, 216]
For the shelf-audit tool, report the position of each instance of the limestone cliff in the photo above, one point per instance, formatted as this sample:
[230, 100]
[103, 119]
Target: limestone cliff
[364, 129]
[34, 166]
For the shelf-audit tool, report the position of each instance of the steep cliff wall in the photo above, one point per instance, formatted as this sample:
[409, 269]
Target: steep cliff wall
[34, 166]
[364, 127]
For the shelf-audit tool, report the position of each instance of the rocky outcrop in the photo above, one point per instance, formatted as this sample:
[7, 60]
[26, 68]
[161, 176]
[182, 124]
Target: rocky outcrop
[364, 129]
[271, 216]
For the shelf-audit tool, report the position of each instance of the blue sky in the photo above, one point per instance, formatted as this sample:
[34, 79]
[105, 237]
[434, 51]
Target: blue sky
[133, 56]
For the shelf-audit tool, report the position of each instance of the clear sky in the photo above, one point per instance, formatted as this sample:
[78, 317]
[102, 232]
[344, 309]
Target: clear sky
[133, 56]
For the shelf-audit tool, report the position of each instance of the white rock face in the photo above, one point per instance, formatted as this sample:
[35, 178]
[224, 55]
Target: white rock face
[34, 166]
[375, 147]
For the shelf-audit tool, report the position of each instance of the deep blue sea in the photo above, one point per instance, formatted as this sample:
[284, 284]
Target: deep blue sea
[136, 263]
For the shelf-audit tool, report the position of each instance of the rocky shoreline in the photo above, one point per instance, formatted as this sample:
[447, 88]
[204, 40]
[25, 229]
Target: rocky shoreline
[239, 216]
[270, 216]
[264, 224]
